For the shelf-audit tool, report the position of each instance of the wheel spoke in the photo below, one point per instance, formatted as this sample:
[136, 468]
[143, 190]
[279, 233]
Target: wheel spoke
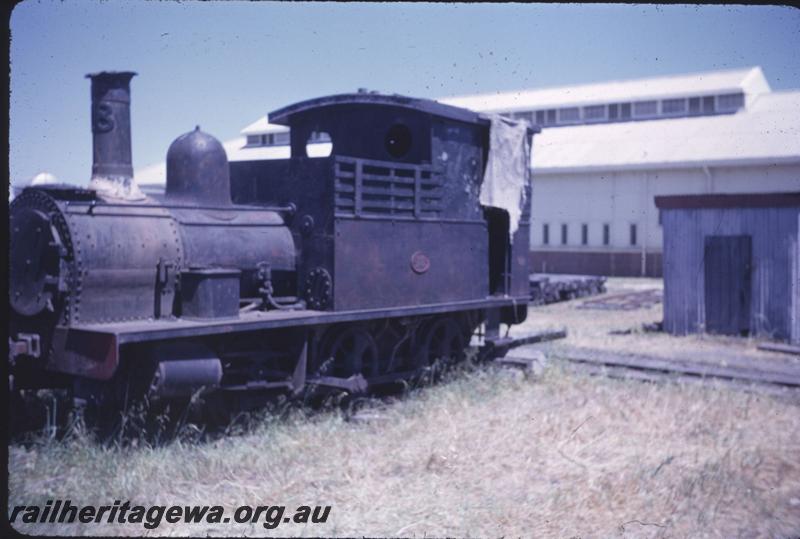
[354, 352]
[443, 341]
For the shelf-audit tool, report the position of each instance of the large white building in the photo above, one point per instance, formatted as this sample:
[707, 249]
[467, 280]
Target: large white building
[607, 149]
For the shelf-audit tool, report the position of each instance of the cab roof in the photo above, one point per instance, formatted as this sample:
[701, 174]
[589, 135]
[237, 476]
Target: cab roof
[283, 116]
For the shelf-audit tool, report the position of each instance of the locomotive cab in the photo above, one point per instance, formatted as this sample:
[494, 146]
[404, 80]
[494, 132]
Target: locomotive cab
[392, 216]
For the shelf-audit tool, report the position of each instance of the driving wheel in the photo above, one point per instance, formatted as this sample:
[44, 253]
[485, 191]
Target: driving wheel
[354, 352]
[443, 340]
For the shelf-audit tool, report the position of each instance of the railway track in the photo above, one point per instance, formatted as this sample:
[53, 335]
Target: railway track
[777, 379]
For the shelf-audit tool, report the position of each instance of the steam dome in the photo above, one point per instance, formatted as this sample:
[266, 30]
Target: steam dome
[197, 169]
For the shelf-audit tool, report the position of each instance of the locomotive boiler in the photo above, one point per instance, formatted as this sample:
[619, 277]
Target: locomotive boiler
[349, 271]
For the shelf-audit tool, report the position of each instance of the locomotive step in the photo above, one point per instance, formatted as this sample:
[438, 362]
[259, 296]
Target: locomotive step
[529, 338]
[353, 384]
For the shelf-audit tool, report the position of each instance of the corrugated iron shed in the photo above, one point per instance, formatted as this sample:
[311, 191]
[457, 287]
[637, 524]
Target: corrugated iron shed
[732, 264]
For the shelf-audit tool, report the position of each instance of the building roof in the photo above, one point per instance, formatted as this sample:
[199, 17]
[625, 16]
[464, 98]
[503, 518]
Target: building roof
[768, 132]
[263, 127]
[750, 81]
[154, 176]
[729, 200]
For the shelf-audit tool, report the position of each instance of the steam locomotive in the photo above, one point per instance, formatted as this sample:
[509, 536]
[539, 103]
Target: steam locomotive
[347, 271]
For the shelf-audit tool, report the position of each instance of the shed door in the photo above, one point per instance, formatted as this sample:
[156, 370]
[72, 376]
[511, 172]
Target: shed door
[727, 283]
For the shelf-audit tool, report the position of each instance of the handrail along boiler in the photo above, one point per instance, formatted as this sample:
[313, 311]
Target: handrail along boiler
[350, 270]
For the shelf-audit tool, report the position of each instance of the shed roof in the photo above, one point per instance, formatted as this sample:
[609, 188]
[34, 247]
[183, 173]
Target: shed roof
[154, 176]
[768, 132]
[263, 127]
[748, 80]
[729, 200]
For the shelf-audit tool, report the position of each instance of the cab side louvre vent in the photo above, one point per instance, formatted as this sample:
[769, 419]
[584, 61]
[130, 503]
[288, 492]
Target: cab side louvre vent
[369, 187]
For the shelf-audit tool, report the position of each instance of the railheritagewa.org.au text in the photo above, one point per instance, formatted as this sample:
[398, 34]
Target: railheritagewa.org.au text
[152, 516]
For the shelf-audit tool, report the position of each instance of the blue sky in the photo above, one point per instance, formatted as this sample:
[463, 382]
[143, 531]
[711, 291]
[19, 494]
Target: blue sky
[224, 64]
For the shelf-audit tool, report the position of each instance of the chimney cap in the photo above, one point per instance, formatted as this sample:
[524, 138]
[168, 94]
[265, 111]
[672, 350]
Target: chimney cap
[110, 74]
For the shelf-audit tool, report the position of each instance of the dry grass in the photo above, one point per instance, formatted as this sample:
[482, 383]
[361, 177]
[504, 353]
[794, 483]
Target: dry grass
[595, 329]
[487, 454]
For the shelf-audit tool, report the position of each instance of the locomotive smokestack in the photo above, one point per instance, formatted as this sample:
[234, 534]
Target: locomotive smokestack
[112, 169]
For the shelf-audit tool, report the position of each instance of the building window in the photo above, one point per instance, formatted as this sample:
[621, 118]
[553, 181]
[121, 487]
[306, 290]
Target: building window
[594, 113]
[673, 106]
[319, 136]
[694, 105]
[659, 218]
[315, 149]
[730, 102]
[540, 117]
[546, 234]
[253, 140]
[281, 138]
[708, 104]
[584, 234]
[569, 115]
[564, 234]
[625, 111]
[613, 111]
[645, 108]
[551, 117]
[606, 234]
[524, 116]
[633, 234]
